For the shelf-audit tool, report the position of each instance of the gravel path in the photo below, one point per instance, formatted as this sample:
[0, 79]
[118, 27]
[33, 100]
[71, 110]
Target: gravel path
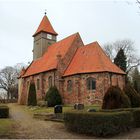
[30, 128]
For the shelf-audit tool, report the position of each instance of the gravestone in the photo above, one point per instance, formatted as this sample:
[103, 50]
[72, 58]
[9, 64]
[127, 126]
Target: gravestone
[58, 109]
[91, 110]
[79, 106]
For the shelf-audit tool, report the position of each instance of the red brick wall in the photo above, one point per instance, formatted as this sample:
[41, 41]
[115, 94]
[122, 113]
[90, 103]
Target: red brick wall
[79, 93]
[43, 84]
[82, 95]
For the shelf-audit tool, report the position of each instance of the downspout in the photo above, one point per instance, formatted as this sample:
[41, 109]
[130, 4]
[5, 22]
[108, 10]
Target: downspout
[54, 78]
[110, 74]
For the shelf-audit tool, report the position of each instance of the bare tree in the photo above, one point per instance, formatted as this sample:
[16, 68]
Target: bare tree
[8, 80]
[109, 50]
[127, 45]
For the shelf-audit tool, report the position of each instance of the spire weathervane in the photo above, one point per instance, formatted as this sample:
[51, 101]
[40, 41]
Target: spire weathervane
[45, 12]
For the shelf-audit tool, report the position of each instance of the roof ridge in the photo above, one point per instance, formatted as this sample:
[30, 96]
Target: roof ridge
[60, 41]
[99, 49]
[77, 34]
[91, 43]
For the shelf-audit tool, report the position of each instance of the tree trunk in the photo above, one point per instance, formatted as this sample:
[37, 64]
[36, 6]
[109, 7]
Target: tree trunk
[8, 94]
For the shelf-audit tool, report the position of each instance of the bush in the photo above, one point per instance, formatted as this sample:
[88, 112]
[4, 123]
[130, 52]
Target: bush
[136, 116]
[53, 97]
[32, 95]
[132, 95]
[115, 98]
[4, 111]
[134, 111]
[116, 110]
[99, 123]
[125, 101]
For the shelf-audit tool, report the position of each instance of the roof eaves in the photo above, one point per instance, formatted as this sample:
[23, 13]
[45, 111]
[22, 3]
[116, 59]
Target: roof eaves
[93, 72]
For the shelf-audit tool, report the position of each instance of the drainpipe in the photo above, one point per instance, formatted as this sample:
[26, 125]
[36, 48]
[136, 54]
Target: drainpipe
[110, 74]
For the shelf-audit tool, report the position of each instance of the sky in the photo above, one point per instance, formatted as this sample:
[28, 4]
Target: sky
[96, 20]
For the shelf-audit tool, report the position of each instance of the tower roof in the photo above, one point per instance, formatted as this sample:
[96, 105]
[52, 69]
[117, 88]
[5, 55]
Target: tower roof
[45, 26]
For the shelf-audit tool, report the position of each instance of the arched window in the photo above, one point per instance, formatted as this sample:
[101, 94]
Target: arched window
[69, 85]
[91, 83]
[50, 81]
[38, 84]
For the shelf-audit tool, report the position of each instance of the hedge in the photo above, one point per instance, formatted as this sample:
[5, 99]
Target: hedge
[116, 110]
[99, 123]
[4, 111]
[135, 112]
[136, 116]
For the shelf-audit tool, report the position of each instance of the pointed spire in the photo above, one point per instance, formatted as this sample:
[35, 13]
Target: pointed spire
[45, 26]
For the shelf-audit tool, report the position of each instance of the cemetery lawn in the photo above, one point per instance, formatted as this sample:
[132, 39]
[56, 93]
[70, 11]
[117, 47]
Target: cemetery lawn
[66, 108]
[6, 128]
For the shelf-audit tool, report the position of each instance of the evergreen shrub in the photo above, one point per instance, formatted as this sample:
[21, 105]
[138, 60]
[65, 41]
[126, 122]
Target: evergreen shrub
[32, 100]
[132, 95]
[115, 98]
[53, 97]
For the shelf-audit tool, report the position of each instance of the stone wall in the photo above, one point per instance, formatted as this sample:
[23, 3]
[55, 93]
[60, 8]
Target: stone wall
[80, 93]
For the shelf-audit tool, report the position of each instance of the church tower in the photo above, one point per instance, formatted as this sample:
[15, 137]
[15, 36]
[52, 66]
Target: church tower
[43, 38]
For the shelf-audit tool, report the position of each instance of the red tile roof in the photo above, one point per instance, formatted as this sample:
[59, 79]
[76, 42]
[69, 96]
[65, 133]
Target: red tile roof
[22, 72]
[45, 26]
[91, 58]
[49, 60]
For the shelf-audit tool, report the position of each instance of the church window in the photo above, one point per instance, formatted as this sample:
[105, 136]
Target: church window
[69, 85]
[91, 83]
[50, 81]
[38, 84]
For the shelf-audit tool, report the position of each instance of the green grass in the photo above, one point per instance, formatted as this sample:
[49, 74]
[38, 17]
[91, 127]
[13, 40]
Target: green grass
[6, 128]
[66, 108]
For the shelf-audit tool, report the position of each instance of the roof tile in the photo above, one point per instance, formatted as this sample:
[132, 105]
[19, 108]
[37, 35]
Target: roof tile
[49, 60]
[45, 26]
[91, 58]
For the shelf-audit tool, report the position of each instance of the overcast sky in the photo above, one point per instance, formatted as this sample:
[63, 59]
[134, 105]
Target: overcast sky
[102, 21]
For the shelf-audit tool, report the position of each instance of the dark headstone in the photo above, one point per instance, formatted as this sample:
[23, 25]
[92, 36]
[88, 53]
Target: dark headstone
[75, 106]
[79, 106]
[91, 110]
[58, 109]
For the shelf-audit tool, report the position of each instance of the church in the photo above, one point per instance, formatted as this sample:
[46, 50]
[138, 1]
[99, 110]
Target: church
[82, 73]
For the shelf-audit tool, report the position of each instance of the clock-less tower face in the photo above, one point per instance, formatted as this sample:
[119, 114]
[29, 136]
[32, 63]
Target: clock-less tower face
[41, 42]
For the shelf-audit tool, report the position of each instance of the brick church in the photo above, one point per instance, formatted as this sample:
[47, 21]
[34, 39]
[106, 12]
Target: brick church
[82, 73]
